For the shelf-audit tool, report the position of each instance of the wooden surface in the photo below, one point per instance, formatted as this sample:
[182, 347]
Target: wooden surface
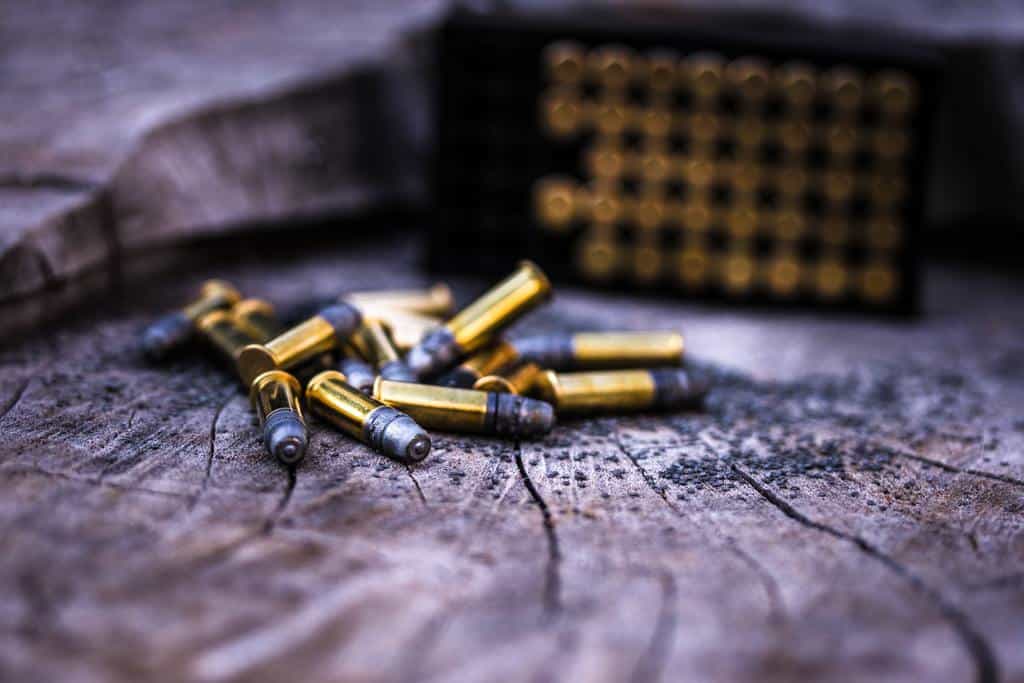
[127, 125]
[849, 507]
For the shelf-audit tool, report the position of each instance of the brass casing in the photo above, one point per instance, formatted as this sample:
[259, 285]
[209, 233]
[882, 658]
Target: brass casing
[258, 317]
[223, 331]
[341, 404]
[304, 341]
[519, 381]
[437, 300]
[490, 360]
[275, 390]
[627, 349]
[474, 325]
[407, 328]
[588, 392]
[443, 408]
[213, 295]
[374, 343]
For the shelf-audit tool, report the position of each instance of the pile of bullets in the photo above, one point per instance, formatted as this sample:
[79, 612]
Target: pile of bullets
[384, 366]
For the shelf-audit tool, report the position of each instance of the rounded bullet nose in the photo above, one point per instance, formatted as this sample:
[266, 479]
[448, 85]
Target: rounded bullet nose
[405, 440]
[165, 335]
[285, 437]
[344, 318]
[537, 417]
[679, 388]
[418, 448]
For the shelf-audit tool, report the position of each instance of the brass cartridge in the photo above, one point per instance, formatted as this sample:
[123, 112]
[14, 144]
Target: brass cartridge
[437, 300]
[594, 350]
[321, 333]
[258, 317]
[175, 329]
[478, 323]
[374, 343]
[582, 393]
[275, 395]
[381, 427]
[518, 380]
[486, 361]
[407, 328]
[467, 410]
[224, 332]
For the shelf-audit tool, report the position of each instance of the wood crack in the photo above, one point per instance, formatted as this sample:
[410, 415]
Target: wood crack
[286, 497]
[210, 453]
[652, 661]
[960, 470]
[986, 667]
[552, 578]
[15, 399]
[46, 181]
[416, 483]
[776, 605]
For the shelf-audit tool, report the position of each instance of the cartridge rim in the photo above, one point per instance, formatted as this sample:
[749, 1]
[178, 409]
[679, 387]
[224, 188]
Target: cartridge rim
[222, 288]
[535, 270]
[265, 378]
[255, 360]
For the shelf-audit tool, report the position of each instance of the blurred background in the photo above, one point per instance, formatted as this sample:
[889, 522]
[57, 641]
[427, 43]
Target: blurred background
[809, 154]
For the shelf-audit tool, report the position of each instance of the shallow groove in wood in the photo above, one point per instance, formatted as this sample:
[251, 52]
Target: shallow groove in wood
[553, 572]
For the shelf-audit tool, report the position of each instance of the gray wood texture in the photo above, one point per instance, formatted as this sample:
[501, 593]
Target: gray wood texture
[848, 507]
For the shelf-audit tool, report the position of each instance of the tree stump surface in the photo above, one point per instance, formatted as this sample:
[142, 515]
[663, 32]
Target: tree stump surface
[848, 507]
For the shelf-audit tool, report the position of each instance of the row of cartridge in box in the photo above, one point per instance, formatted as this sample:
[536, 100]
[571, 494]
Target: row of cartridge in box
[404, 368]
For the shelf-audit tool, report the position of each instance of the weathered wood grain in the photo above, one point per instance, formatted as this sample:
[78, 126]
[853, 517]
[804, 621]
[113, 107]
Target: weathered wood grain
[128, 125]
[848, 508]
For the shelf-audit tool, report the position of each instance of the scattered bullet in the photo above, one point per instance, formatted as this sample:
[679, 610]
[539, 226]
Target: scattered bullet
[436, 300]
[323, 332]
[174, 330]
[381, 427]
[275, 397]
[467, 410]
[374, 343]
[478, 323]
[602, 350]
[518, 380]
[621, 391]
[486, 361]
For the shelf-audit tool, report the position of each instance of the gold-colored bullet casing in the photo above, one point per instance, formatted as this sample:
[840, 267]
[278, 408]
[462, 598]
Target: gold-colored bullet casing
[627, 349]
[257, 316]
[213, 295]
[275, 390]
[474, 325]
[407, 328]
[586, 392]
[516, 381]
[486, 361]
[437, 300]
[332, 398]
[224, 332]
[444, 408]
[308, 339]
[373, 341]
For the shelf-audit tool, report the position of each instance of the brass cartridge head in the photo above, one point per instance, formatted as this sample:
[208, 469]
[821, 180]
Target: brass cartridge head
[467, 410]
[487, 361]
[437, 300]
[275, 397]
[258, 317]
[582, 393]
[374, 343]
[175, 329]
[323, 332]
[224, 332]
[516, 381]
[478, 323]
[594, 350]
[383, 428]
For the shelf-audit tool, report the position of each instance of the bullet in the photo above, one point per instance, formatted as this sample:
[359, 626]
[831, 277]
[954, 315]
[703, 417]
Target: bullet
[582, 393]
[478, 323]
[484, 362]
[259, 317]
[467, 410]
[275, 397]
[595, 350]
[176, 329]
[373, 341]
[518, 380]
[321, 333]
[226, 334]
[437, 300]
[407, 328]
[358, 372]
[381, 427]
